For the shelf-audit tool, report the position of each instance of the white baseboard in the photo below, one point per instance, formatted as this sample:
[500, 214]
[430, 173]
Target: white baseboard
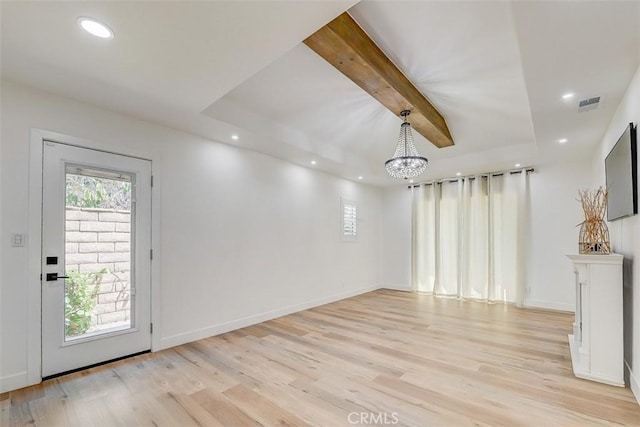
[405, 288]
[550, 305]
[13, 382]
[209, 331]
[634, 383]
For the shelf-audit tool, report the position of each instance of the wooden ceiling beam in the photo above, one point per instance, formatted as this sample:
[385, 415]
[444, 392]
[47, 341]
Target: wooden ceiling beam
[347, 47]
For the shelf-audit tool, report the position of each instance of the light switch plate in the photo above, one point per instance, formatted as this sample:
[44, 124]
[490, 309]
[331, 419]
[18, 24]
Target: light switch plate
[18, 240]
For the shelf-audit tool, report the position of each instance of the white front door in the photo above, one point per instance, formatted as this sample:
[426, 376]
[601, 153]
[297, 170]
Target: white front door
[96, 247]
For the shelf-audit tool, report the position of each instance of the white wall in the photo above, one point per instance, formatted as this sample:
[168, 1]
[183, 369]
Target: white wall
[244, 236]
[554, 214]
[396, 235]
[625, 233]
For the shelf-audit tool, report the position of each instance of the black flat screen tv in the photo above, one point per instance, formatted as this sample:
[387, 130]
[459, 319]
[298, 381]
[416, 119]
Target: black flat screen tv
[621, 167]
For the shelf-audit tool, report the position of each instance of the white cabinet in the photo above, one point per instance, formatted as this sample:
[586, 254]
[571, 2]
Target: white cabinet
[597, 346]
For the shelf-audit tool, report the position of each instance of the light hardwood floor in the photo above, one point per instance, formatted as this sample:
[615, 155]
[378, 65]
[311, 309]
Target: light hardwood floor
[383, 357]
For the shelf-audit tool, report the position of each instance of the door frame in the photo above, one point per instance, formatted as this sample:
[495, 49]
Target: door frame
[34, 239]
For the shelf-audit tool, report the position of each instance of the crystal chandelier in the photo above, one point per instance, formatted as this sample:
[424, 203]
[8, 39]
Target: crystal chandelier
[406, 162]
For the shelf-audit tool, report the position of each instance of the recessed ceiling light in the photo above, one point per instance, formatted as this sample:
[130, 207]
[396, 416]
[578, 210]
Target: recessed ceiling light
[517, 165]
[562, 140]
[313, 162]
[568, 96]
[235, 137]
[458, 173]
[360, 177]
[95, 28]
[410, 181]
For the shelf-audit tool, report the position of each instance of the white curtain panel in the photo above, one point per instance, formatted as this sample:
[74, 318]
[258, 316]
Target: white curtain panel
[469, 237]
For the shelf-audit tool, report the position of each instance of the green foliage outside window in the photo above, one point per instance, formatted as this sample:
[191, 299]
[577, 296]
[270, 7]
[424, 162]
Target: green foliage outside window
[80, 300]
[98, 193]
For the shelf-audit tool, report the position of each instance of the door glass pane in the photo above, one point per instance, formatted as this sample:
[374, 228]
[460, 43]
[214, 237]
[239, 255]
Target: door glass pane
[98, 252]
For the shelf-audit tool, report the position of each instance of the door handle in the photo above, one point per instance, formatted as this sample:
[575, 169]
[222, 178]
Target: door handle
[51, 277]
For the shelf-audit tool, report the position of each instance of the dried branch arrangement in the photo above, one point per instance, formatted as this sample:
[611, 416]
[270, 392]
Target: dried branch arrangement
[594, 234]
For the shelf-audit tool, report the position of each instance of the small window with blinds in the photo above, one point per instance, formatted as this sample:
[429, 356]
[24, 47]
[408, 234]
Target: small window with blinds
[349, 220]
